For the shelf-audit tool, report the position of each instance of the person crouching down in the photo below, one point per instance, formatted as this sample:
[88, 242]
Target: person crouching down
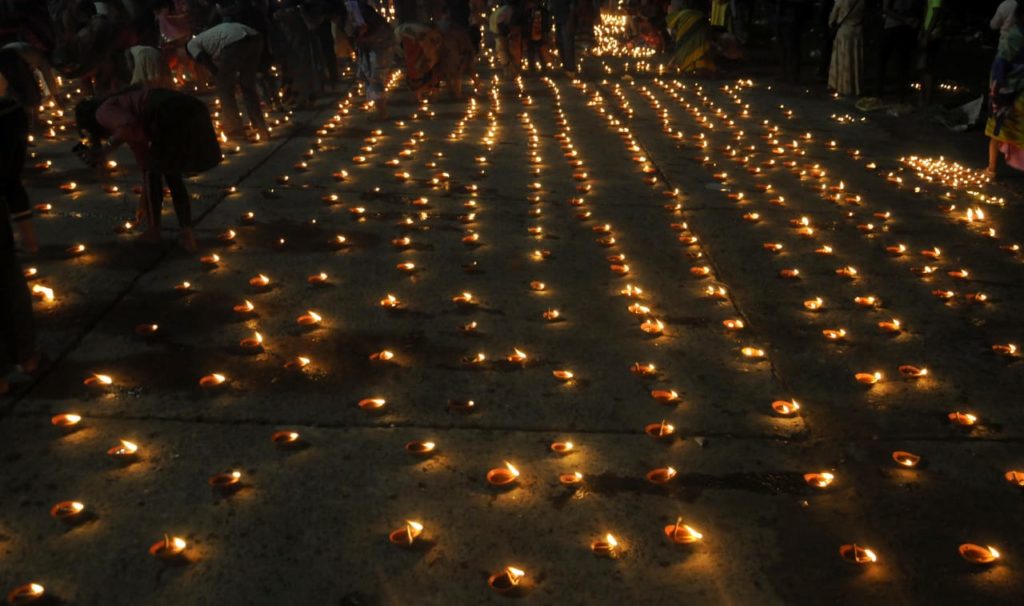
[170, 134]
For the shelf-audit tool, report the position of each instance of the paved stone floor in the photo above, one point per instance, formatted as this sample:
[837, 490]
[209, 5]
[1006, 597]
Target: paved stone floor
[701, 194]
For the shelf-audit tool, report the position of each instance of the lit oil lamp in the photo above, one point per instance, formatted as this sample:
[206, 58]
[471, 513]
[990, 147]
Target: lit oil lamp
[503, 476]
[733, 324]
[463, 406]
[310, 318]
[652, 326]
[76, 250]
[821, 479]
[517, 356]
[682, 534]
[847, 272]
[562, 448]
[660, 431]
[665, 396]
[868, 378]
[252, 344]
[226, 482]
[752, 352]
[66, 421]
[212, 380]
[661, 475]
[469, 327]
[856, 554]
[406, 535]
[371, 404]
[286, 439]
[99, 380]
[570, 479]
[1015, 477]
[834, 334]
[644, 370]
[963, 419]
[1008, 349]
[867, 301]
[298, 361]
[606, 547]
[68, 187]
[789, 273]
[465, 298]
[169, 548]
[183, 287]
[906, 459]
[259, 281]
[892, 326]
[563, 374]
[785, 408]
[245, 307]
[319, 279]
[420, 449]
[68, 512]
[385, 355]
[508, 581]
[976, 554]
[247, 218]
[124, 451]
[390, 301]
[912, 372]
[29, 593]
[815, 304]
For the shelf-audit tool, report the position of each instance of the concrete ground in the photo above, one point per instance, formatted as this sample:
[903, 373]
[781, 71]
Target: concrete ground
[310, 525]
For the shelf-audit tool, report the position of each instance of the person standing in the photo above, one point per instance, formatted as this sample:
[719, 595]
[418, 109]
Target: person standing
[1005, 127]
[231, 51]
[929, 43]
[562, 12]
[17, 326]
[790, 19]
[374, 41]
[900, 20]
[847, 21]
[535, 30]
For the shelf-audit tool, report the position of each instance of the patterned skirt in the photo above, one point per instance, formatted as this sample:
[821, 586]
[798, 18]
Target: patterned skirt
[1011, 134]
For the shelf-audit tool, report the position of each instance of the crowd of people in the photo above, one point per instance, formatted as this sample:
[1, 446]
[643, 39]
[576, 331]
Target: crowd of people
[139, 61]
[136, 57]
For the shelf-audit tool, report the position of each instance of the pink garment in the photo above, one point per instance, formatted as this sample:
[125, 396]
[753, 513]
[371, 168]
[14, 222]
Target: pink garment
[174, 27]
[123, 115]
[1014, 155]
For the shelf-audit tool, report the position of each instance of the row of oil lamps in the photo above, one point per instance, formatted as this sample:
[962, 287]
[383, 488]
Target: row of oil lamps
[892, 326]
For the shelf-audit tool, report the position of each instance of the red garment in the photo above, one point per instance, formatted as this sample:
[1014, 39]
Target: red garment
[124, 116]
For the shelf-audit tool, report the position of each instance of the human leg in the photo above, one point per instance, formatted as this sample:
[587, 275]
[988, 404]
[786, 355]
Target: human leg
[225, 81]
[247, 68]
[182, 209]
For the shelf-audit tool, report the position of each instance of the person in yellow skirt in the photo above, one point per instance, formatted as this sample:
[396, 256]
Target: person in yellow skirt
[1005, 127]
